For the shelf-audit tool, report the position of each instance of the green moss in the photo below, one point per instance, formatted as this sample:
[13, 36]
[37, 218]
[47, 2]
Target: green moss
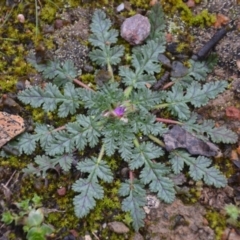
[217, 222]
[204, 18]
[225, 165]
[48, 13]
[12, 236]
[140, 3]
[88, 78]
[13, 162]
[181, 48]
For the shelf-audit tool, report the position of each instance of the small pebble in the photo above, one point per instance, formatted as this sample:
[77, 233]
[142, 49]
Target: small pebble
[61, 191]
[120, 7]
[164, 60]
[21, 18]
[118, 227]
[58, 24]
[135, 29]
[178, 69]
[137, 236]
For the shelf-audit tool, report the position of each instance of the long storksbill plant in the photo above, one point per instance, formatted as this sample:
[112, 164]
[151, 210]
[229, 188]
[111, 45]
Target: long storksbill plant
[119, 120]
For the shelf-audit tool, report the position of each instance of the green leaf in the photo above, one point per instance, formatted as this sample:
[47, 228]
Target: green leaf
[89, 188]
[50, 97]
[24, 205]
[37, 200]
[90, 129]
[134, 202]
[107, 55]
[62, 142]
[157, 21]
[65, 161]
[200, 97]
[50, 69]
[7, 217]
[100, 169]
[147, 125]
[103, 100]
[177, 163]
[153, 173]
[100, 28]
[232, 211]
[30, 169]
[35, 217]
[144, 59]
[196, 95]
[66, 73]
[76, 134]
[102, 38]
[71, 101]
[222, 134]
[36, 233]
[199, 168]
[118, 136]
[33, 96]
[89, 191]
[207, 127]
[47, 229]
[198, 71]
[44, 164]
[43, 134]
[143, 154]
[145, 99]
[27, 143]
[59, 73]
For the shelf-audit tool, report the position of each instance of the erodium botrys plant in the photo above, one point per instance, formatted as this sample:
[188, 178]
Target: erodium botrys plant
[117, 120]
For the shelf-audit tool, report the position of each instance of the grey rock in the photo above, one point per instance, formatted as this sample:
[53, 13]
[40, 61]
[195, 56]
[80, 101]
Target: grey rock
[177, 137]
[137, 236]
[164, 60]
[178, 69]
[135, 29]
[118, 227]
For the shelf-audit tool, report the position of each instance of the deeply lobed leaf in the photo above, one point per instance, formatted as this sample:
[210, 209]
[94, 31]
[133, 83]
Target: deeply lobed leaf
[100, 169]
[51, 97]
[196, 95]
[89, 190]
[217, 134]
[144, 59]
[135, 200]
[199, 168]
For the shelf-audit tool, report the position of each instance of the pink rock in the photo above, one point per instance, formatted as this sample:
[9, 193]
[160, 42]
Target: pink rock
[135, 29]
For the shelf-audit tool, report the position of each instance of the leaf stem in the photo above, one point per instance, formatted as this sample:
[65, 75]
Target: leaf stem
[156, 140]
[110, 70]
[82, 84]
[128, 91]
[131, 176]
[36, 16]
[59, 128]
[163, 105]
[136, 143]
[100, 156]
[165, 120]
[6, 17]
[167, 85]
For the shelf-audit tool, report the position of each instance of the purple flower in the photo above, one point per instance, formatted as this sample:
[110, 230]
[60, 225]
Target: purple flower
[119, 111]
